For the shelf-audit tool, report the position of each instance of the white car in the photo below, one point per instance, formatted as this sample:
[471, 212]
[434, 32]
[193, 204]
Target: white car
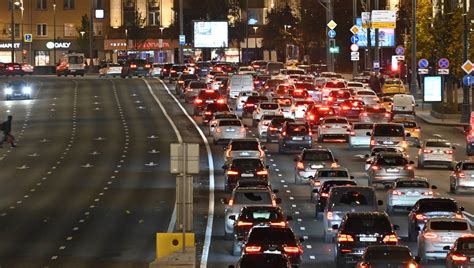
[220, 116]
[334, 127]
[111, 69]
[286, 105]
[367, 96]
[263, 124]
[228, 129]
[355, 85]
[265, 108]
[217, 82]
[436, 152]
[242, 98]
[292, 78]
[404, 193]
[299, 108]
[359, 136]
[438, 235]
[156, 69]
[246, 70]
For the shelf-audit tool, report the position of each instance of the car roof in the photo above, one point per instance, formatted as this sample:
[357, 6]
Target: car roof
[332, 169]
[384, 154]
[437, 140]
[367, 214]
[414, 179]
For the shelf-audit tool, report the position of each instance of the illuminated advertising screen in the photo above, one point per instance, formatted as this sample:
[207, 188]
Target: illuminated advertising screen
[386, 36]
[210, 34]
[432, 89]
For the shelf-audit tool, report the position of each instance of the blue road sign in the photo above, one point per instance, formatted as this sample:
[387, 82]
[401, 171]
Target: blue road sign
[468, 80]
[28, 38]
[182, 39]
[400, 50]
[423, 64]
[331, 33]
[443, 63]
[354, 39]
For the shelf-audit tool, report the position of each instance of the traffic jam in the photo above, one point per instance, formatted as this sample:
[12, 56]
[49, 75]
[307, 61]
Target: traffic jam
[305, 114]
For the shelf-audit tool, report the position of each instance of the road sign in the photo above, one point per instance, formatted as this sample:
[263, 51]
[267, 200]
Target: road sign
[443, 63]
[443, 71]
[354, 29]
[400, 50]
[28, 38]
[331, 34]
[365, 19]
[354, 56]
[334, 50]
[332, 24]
[384, 19]
[182, 39]
[423, 64]
[400, 57]
[189, 155]
[354, 48]
[468, 67]
[423, 71]
[376, 65]
[468, 80]
[354, 39]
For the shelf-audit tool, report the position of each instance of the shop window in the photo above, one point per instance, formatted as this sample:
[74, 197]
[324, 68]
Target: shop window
[41, 4]
[41, 58]
[69, 30]
[98, 29]
[69, 4]
[41, 29]
[99, 4]
[154, 18]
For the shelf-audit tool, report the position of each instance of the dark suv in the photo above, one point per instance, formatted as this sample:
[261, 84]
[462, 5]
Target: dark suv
[388, 256]
[165, 72]
[179, 88]
[295, 135]
[135, 67]
[206, 97]
[268, 239]
[359, 230]
[244, 169]
[175, 71]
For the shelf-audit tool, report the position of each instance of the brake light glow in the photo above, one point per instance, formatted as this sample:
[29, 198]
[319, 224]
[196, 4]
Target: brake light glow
[387, 114]
[311, 117]
[420, 217]
[324, 195]
[291, 250]
[375, 167]
[220, 101]
[329, 215]
[461, 175]
[252, 249]
[244, 223]
[272, 128]
[390, 239]
[262, 172]
[458, 258]
[133, 66]
[147, 65]
[408, 168]
[345, 107]
[429, 193]
[279, 224]
[232, 172]
[231, 202]
[242, 129]
[395, 192]
[353, 133]
[300, 165]
[218, 130]
[430, 235]
[427, 151]
[373, 142]
[449, 152]
[197, 101]
[417, 129]
[345, 238]
[207, 113]
[364, 114]
[249, 105]
[180, 82]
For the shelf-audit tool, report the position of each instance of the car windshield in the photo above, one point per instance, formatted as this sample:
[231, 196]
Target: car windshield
[332, 173]
[442, 144]
[269, 106]
[468, 166]
[75, 59]
[297, 129]
[247, 164]
[260, 215]
[389, 131]
[449, 225]
[376, 254]
[306, 86]
[271, 236]
[375, 110]
[204, 64]
[17, 84]
[354, 85]
[254, 197]
[197, 85]
[228, 123]
[245, 146]
[363, 126]
[412, 184]
[352, 198]
[389, 160]
[335, 121]
[367, 224]
[435, 205]
[317, 156]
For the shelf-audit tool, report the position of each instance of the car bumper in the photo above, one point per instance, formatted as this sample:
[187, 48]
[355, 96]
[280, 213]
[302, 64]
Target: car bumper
[229, 136]
[298, 144]
[405, 202]
[434, 251]
[354, 256]
[388, 178]
[355, 141]
[436, 160]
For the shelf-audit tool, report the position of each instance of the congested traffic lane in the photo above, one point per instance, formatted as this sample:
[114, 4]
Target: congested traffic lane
[296, 198]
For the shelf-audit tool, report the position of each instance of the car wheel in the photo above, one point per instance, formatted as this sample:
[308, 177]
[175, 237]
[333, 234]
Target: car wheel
[82, 75]
[227, 236]
[236, 249]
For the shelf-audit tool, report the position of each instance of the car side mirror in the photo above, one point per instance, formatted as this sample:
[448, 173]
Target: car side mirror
[335, 226]
[411, 162]
[278, 200]
[224, 167]
[267, 167]
[396, 227]
[315, 191]
[367, 134]
[461, 208]
[276, 191]
[434, 187]
[351, 177]
[380, 202]
[418, 259]
[301, 239]
[408, 135]
[446, 248]
[232, 217]
[224, 201]
[289, 218]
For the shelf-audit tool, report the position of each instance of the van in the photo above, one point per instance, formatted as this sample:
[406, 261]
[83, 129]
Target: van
[238, 83]
[273, 67]
[388, 135]
[403, 106]
[71, 63]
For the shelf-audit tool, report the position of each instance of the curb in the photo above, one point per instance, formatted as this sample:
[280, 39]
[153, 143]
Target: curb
[441, 123]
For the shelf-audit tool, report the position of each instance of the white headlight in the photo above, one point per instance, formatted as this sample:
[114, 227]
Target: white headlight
[8, 90]
[26, 90]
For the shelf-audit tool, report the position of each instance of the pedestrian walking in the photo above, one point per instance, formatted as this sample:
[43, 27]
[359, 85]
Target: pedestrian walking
[6, 127]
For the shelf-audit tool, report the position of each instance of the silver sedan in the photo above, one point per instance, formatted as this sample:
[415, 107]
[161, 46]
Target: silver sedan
[228, 129]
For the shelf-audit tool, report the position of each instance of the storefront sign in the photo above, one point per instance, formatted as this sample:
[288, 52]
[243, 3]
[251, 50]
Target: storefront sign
[116, 44]
[9, 45]
[151, 44]
[52, 45]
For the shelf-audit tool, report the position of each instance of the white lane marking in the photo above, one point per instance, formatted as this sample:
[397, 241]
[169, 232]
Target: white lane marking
[277, 169]
[312, 257]
[22, 167]
[153, 151]
[151, 164]
[280, 175]
[302, 228]
[210, 160]
[309, 246]
[87, 165]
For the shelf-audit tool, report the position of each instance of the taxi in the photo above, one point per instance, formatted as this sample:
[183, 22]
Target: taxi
[387, 102]
[411, 127]
[393, 86]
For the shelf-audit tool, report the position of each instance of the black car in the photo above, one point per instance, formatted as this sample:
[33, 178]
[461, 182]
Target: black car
[461, 254]
[17, 90]
[272, 239]
[264, 260]
[251, 104]
[207, 97]
[388, 256]
[427, 208]
[260, 80]
[321, 196]
[179, 88]
[212, 108]
[203, 68]
[165, 72]
[359, 230]
[12, 69]
[295, 136]
[135, 67]
[244, 169]
[175, 71]
[275, 127]
[255, 215]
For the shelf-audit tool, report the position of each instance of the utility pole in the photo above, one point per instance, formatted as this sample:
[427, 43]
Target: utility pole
[376, 49]
[369, 39]
[354, 17]
[181, 31]
[327, 4]
[413, 83]
[466, 107]
[54, 32]
[247, 28]
[91, 36]
[12, 30]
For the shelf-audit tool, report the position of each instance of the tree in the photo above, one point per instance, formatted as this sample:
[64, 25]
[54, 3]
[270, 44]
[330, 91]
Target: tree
[83, 32]
[136, 29]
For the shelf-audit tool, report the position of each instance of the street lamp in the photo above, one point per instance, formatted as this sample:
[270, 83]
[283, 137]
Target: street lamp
[255, 34]
[22, 33]
[413, 84]
[54, 32]
[161, 44]
[12, 27]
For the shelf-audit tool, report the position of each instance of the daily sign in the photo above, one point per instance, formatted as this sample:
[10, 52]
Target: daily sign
[51, 45]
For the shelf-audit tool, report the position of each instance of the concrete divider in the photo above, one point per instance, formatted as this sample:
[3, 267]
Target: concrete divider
[169, 251]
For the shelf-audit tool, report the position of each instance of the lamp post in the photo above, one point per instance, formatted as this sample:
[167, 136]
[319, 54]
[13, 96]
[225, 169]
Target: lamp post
[466, 106]
[82, 40]
[286, 45]
[54, 32]
[161, 44]
[22, 33]
[413, 84]
[12, 27]
[255, 35]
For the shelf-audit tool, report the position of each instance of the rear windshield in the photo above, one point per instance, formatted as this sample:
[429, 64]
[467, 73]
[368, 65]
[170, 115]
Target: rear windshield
[375, 110]
[389, 131]
[329, 184]
[214, 107]
[255, 99]
[283, 102]
[413, 184]
[263, 78]
[438, 144]
[353, 198]
[224, 123]
[466, 243]
[300, 103]
[366, 93]
[247, 164]
[363, 126]
[179, 68]
[297, 129]
[368, 224]
[335, 85]
[384, 149]
[188, 76]
[306, 86]
[392, 161]
[278, 121]
[204, 64]
[220, 116]
[340, 94]
[332, 173]
[432, 205]
[449, 225]
[284, 88]
[75, 59]
[255, 197]
[273, 82]
[269, 106]
[261, 215]
[317, 156]
[245, 145]
[197, 85]
[295, 72]
[468, 166]
[335, 121]
[401, 254]
[271, 236]
[204, 94]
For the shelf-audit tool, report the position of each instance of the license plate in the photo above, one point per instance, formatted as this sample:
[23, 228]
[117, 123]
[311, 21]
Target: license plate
[413, 193]
[316, 166]
[388, 142]
[140, 68]
[209, 101]
[72, 71]
[297, 138]
[448, 239]
[230, 130]
[393, 170]
[247, 175]
[471, 259]
[244, 154]
[368, 239]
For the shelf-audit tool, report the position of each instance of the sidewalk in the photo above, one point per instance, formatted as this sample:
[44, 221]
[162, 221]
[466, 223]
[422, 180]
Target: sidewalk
[425, 115]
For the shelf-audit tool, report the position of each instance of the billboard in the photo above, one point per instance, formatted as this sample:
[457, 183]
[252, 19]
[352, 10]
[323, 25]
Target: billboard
[386, 36]
[210, 34]
[432, 89]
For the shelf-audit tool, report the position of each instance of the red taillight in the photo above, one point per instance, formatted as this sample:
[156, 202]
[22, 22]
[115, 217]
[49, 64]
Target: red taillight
[262, 172]
[133, 66]
[417, 129]
[325, 195]
[10, 68]
[180, 82]
[244, 223]
[461, 175]
[449, 152]
[375, 167]
[272, 128]
[420, 217]
[283, 133]
[197, 101]
[279, 224]
[249, 105]
[317, 183]
[300, 165]
[395, 192]
[428, 193]
[427, 151]
[173, 71]
[387, 114]
[430, 235]
[242, 129]
[353, 133]
[147, 65]
[292, 250]
[207, 113]
[311, 117]
[345, 238]
[231, 202]
[329, 215]
[364, 265]
[232, 173]
[408, 168]
[218, 130]
[220, 101]
[458, 257]
[390, 239]
[252, 249]
[373, 142]
[345, 107]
